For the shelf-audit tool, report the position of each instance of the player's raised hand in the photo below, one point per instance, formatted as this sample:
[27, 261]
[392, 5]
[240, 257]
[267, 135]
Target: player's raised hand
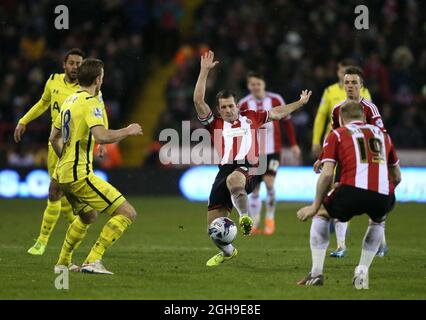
[134, 129]
[317, 166]
[207, 60]
[19, 132]
[304, 96]
[306, 212]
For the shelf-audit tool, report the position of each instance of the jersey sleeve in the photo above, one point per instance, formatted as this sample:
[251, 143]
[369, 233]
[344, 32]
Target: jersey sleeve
[40, 107]
[321, 118]
[208, 121]
[57, 122]
[261, 117]
[329, 150]
[243, 106]
[393, 159]
[373, 116]
[94, 115]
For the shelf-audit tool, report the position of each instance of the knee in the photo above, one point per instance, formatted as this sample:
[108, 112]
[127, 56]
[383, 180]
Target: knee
[129, 212]
[88, 217]
[55, 192]
[235, 179]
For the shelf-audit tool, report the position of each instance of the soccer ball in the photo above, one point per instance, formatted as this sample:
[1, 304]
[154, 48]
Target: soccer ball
[223, 231]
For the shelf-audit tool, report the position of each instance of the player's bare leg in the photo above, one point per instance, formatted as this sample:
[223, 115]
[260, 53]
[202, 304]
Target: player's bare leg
[75, 234]
[370, 245]
[255, 207]
[121, 219]
[319, 241]
[270, 204]
[236, 183]
[50, 217]
[227, 251]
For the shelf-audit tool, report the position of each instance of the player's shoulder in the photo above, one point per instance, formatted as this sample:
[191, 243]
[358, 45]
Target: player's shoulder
[275, 96]
[370, 105]
[245, 99]
[337, 106]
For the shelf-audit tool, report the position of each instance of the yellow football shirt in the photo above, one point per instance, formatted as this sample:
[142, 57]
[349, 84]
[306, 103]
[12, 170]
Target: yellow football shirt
[79, 113]
[56, 90]
[332, 95]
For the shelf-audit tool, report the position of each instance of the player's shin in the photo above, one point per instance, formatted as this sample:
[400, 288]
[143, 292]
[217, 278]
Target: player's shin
[66, 210]
[319, 241]
[371, 243]
[255, 206]
[240, 200]
[270, 204]
[111, 232]
[341, 228]
[50, 217]
[75, 235]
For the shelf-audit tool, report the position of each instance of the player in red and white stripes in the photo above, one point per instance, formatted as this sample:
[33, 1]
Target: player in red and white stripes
[234, 135]
[369, 174]
[261, 100]
[353, 82]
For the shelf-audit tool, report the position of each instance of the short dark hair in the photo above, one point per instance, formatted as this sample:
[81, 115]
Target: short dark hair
[346, 62]
[225, 93]
[352, 110]
[74, 51]
[254, 74]
[88, 71]
[355, 70]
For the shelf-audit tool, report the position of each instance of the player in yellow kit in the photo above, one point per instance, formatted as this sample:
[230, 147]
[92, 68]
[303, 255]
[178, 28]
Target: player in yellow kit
[333, 95]
[58, 87]
[79, 125]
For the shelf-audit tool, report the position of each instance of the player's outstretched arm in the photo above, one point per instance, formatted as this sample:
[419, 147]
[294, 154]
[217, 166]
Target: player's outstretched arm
[207, 63]
[280, 112]
[323, 186]
[105, 136]
[36, 111]
[56, 141]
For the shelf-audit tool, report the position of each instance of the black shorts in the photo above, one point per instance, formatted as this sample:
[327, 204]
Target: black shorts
[220, 195]
[273, 163]
[345, 202]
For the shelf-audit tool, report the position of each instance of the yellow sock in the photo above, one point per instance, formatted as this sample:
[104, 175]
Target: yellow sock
[75, 235]
[50, 217]
[111, 232]
[66, 210]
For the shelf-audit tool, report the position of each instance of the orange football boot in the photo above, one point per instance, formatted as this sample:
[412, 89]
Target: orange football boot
[269, 226]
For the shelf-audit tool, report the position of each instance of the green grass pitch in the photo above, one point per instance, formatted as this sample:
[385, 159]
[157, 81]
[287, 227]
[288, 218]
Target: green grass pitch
[163, 256]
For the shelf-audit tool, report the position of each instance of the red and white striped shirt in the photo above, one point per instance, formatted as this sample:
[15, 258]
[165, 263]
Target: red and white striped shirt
[273, 131]
[237, 140]
[364, 152]
[372, 114]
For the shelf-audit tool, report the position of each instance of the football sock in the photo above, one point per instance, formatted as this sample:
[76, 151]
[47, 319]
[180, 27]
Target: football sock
[227, 248]
[383, 242]
[240, 200]
[74, 236]
[50, 217]
[111, 232]
[255, 206]
[341, 228]
[371, 243]
[319, 240]
[270, 204]
[66, 210]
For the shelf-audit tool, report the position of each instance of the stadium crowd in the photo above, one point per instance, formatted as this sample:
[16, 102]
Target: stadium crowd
[297, 45]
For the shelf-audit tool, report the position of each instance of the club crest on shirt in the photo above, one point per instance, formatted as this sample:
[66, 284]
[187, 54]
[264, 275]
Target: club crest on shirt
[249, 121]
[98, 112]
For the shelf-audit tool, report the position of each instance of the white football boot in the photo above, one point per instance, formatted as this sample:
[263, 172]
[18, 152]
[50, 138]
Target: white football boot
[94, 267]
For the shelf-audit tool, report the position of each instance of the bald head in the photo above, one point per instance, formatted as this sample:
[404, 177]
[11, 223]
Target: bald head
[351, 111]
